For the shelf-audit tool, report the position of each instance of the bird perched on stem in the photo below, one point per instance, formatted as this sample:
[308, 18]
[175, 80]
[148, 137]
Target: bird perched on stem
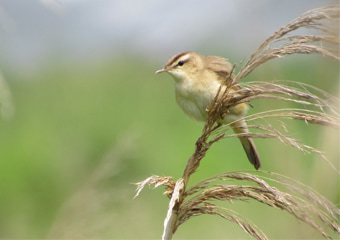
[198, 79]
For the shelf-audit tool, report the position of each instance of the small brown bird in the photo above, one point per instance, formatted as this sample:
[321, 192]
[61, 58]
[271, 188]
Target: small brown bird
[197, 81]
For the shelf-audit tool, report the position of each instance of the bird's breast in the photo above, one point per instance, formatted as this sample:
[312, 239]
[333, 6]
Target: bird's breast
[194, 99]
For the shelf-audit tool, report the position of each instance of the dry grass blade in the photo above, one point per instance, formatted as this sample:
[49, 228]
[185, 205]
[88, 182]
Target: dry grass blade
[311, 105]
[318, 19]
[156, 181]
[330, 212]
[197, 209]
[300, 201]
[287, 91]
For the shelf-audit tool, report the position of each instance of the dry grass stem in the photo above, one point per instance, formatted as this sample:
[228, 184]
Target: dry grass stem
[289, 195]
[172, 215]
[306, 103]
[156, 181]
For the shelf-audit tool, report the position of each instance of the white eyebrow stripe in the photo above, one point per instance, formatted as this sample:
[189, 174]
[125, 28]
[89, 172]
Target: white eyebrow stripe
[185, 57]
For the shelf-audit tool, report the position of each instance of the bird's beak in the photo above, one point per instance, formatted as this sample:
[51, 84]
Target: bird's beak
[162, 70]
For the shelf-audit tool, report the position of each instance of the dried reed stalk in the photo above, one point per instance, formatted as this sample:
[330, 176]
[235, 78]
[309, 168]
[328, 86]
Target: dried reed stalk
[314, 106]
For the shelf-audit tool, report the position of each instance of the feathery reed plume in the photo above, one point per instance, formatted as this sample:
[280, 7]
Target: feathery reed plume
[321, 19]
[314, 106]
[305, 205]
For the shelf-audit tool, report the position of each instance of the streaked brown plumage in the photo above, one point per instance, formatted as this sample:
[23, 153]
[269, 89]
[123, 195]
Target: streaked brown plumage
[197, 80]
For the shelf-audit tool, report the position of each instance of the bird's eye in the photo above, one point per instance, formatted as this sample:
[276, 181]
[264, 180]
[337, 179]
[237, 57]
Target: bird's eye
[180, 63]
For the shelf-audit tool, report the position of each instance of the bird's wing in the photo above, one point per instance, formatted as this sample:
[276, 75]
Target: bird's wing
[220, 66]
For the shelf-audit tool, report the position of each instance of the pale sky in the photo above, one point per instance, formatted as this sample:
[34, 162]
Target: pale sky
[80, 29]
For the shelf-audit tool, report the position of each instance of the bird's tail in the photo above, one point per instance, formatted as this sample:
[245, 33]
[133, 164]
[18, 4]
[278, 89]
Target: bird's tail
[250, 149]
[247, 143]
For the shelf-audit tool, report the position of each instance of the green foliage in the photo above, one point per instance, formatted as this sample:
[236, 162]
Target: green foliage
[69, 117]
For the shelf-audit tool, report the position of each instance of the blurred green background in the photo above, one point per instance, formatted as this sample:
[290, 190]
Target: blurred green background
[84, 131]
